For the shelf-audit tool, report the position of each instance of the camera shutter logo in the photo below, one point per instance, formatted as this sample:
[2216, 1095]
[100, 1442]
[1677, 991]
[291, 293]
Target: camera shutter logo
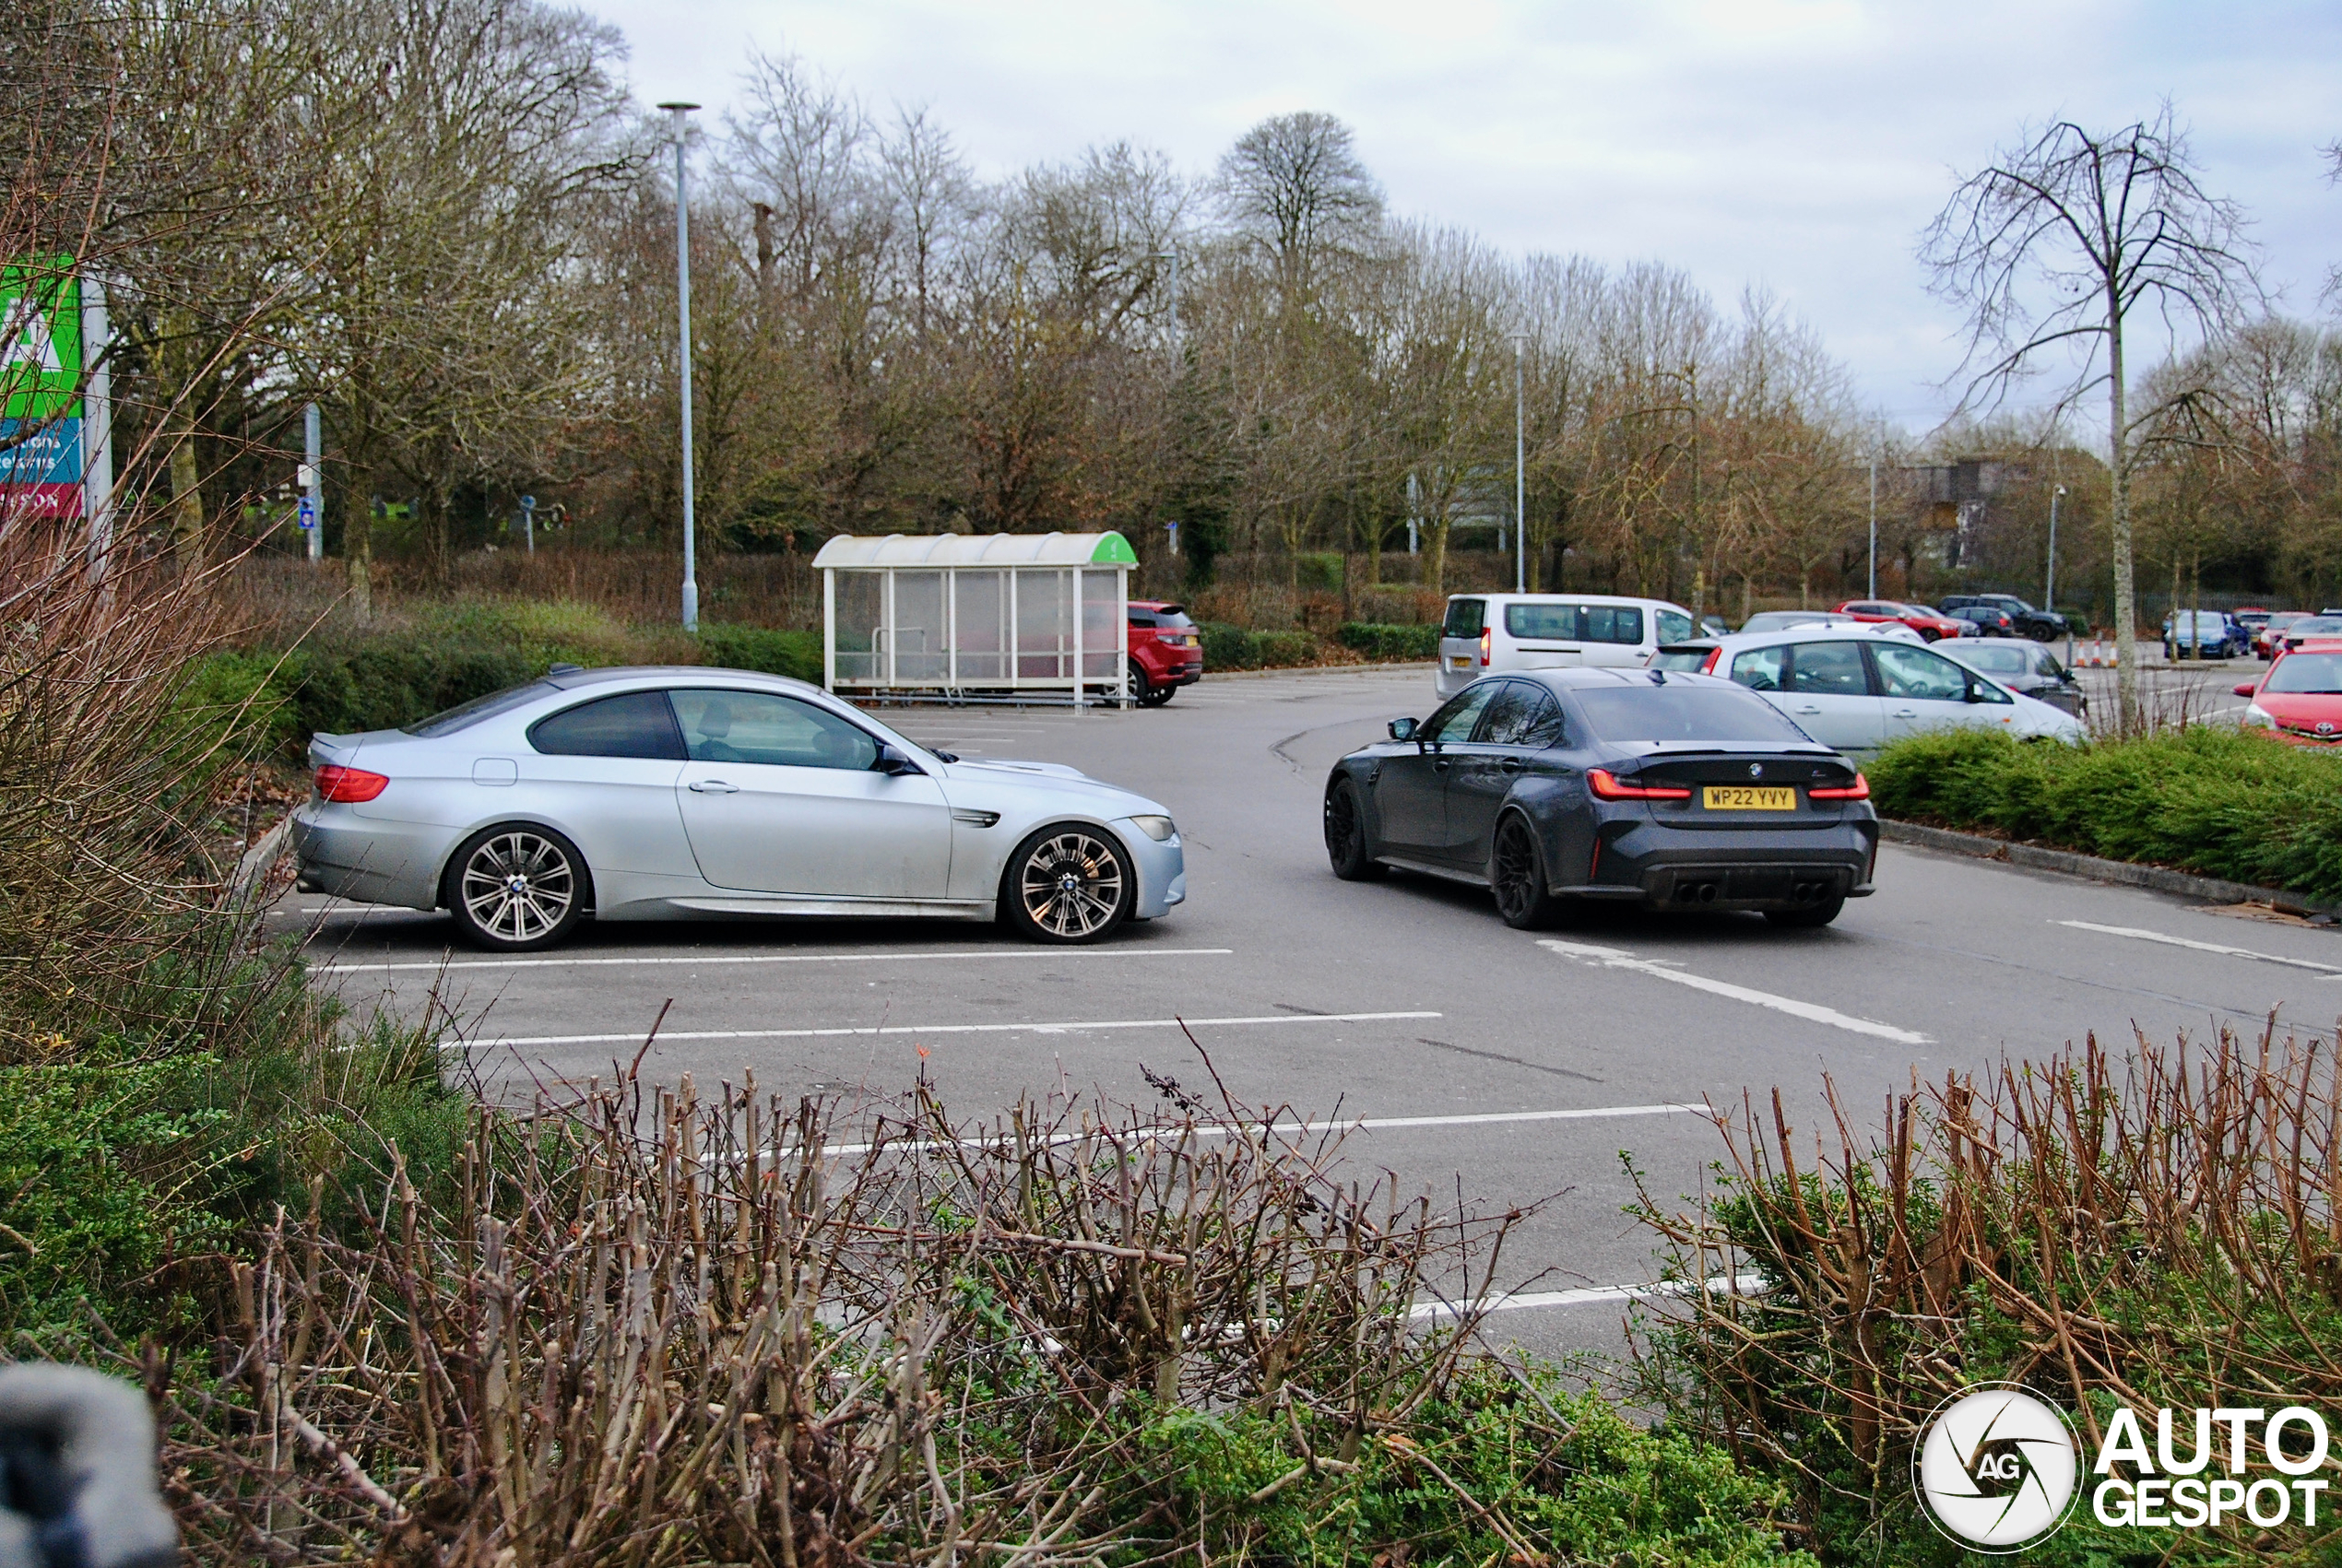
[1996, 1469]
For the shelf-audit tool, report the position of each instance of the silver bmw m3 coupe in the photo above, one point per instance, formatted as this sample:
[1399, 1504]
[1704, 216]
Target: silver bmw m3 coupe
[677, 794]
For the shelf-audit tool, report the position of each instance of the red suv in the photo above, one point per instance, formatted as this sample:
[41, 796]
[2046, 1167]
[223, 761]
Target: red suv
[1919, 618]
[1167, 651]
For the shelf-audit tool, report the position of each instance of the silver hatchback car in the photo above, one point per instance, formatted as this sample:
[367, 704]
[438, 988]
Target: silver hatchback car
[675, 794]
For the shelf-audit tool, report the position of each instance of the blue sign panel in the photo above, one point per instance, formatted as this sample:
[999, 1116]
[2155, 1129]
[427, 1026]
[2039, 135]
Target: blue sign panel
[41, 466]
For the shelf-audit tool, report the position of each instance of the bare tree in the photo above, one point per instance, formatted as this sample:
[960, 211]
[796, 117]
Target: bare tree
[1294, 183]
[2054, 247]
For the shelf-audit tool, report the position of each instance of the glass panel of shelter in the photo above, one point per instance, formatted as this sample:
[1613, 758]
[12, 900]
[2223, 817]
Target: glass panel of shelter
[860, 615]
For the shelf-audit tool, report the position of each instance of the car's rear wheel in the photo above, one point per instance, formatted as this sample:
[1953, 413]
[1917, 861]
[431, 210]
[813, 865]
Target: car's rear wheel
[1517, 875]
[1067, 884]
[516, 887]
[1346, 835]
[1810, 916]
[1152, 695]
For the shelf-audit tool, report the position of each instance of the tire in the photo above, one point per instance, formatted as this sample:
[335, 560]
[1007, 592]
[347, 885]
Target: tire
[1151, 695]
[1517, 875]
[1813, 917]
[2040, 634]
[516, 887]
[1067, 884]
[1346, 836]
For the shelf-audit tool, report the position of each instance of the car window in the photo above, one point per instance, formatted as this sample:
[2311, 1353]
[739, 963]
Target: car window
[2301, 674]
[1689, 658]
[1672, 624]
[1452, 724]
[1680, 711]
[1173, 617]
[2045, 662]
[1908, 672]
[1464, 618]
[634, 724]
[1141, 620]
[1522, 714]
[1543, 622]
[465, 714]
[1614, 623]
[1829, 669]
[758, 726]
[2012, 660]
[1760, 669]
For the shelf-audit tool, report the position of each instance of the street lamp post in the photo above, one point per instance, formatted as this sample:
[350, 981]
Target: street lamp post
[2049, 584]
[1873, 523]
[1520, 474]
[683, 311]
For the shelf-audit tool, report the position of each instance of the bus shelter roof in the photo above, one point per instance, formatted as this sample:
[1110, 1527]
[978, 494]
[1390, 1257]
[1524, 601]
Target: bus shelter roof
[930, 551]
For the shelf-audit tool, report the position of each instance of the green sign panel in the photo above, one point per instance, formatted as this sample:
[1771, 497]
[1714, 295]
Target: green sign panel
[39, 339]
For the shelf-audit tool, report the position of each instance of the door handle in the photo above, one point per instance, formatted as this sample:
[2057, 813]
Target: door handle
[712, 787]
[1809, 708]
[1439, 764]
[1906, 714]
[1509, 765]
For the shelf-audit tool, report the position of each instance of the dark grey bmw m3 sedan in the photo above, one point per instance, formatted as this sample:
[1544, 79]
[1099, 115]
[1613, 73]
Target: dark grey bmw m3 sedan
[1567, 787]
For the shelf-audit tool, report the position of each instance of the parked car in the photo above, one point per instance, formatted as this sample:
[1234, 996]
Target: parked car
[1783, 620]
[2266, 635]
[1984, 620]
[1856, 691]
[1563, 787]
[1919, 618]
[2204, 635]
[2299, 697]
[2027, 668]
[2040, 625]
[1167, 651]
[665, 793]
[2307, 628]
[1489, 633]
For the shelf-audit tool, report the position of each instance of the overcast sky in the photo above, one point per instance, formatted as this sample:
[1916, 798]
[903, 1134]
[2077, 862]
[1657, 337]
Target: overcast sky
[1795, 144]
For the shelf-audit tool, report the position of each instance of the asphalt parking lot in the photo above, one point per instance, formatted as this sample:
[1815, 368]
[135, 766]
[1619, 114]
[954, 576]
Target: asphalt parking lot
[1510, 1065]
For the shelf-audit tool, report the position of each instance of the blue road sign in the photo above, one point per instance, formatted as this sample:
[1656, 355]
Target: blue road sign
[308, 513]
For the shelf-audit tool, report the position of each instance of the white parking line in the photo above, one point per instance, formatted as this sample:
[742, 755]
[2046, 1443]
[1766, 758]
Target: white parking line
[1664, 968]
[1358, 1124]
[1738, 1285]
[923, 1029]
[780, 958]
[2137, 934]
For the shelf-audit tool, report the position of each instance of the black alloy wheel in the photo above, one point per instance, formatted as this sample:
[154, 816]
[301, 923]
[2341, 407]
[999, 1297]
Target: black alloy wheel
[1517, 875]
[1346, 836]
[516, 887]
[1067, 884]
[1149, 694]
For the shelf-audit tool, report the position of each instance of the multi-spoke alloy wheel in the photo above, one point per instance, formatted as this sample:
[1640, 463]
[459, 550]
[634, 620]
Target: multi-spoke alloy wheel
[1346, 835]
[1067, 884]
[516, 887]
[1517, 875]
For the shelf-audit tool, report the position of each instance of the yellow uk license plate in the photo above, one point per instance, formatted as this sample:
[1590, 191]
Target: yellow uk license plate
[1743, 797]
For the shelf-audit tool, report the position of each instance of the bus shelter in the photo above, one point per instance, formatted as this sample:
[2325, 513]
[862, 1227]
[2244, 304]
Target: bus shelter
[968, 615]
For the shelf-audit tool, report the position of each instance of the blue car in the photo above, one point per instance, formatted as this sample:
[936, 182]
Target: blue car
[2205, 634]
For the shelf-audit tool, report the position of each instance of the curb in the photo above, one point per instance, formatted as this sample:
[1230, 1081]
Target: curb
[2156, 879]
[252, 870]
[1371, 668]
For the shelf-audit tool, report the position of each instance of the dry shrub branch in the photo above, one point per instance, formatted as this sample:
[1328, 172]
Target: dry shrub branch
[2157, 1228]
[649, 1328]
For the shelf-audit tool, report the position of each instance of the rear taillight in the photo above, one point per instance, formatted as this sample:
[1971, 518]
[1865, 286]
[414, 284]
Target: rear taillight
[1484, 633]
[349, 785]
[1858, 790]
[1605, 786]
[1715, 658]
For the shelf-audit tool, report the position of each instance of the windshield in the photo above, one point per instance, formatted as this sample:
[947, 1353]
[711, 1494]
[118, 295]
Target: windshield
[2301, 674]
[1997, 661]
[1684, 713]
[1679, 658]
[1781, 620]
[2316, 626]
[465, 714]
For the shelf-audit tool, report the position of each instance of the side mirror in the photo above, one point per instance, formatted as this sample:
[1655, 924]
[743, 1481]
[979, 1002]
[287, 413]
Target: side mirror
[1975, 692]
[894, 762]
[1404, 729]
[2245, 690]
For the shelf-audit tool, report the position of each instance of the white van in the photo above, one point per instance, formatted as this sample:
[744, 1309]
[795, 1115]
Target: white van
[1488, 632]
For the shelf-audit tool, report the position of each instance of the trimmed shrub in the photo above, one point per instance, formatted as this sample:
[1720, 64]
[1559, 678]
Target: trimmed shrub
[1380, 641]
[1228, 647]
[2222, 803]
[793, 654]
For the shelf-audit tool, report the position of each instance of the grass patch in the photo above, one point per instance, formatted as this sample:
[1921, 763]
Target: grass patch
[2222, 803]
[1379, 642]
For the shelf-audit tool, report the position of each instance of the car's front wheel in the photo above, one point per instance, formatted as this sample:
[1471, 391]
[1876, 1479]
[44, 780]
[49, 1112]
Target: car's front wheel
[1067, 884]
[516, 887]
[1517, 875]
[1346, 835]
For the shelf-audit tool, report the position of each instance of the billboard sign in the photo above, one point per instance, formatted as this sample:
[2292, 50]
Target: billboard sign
[41, 411]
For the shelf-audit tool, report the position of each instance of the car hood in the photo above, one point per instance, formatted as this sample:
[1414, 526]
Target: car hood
[971, 780]
[2301, 710]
